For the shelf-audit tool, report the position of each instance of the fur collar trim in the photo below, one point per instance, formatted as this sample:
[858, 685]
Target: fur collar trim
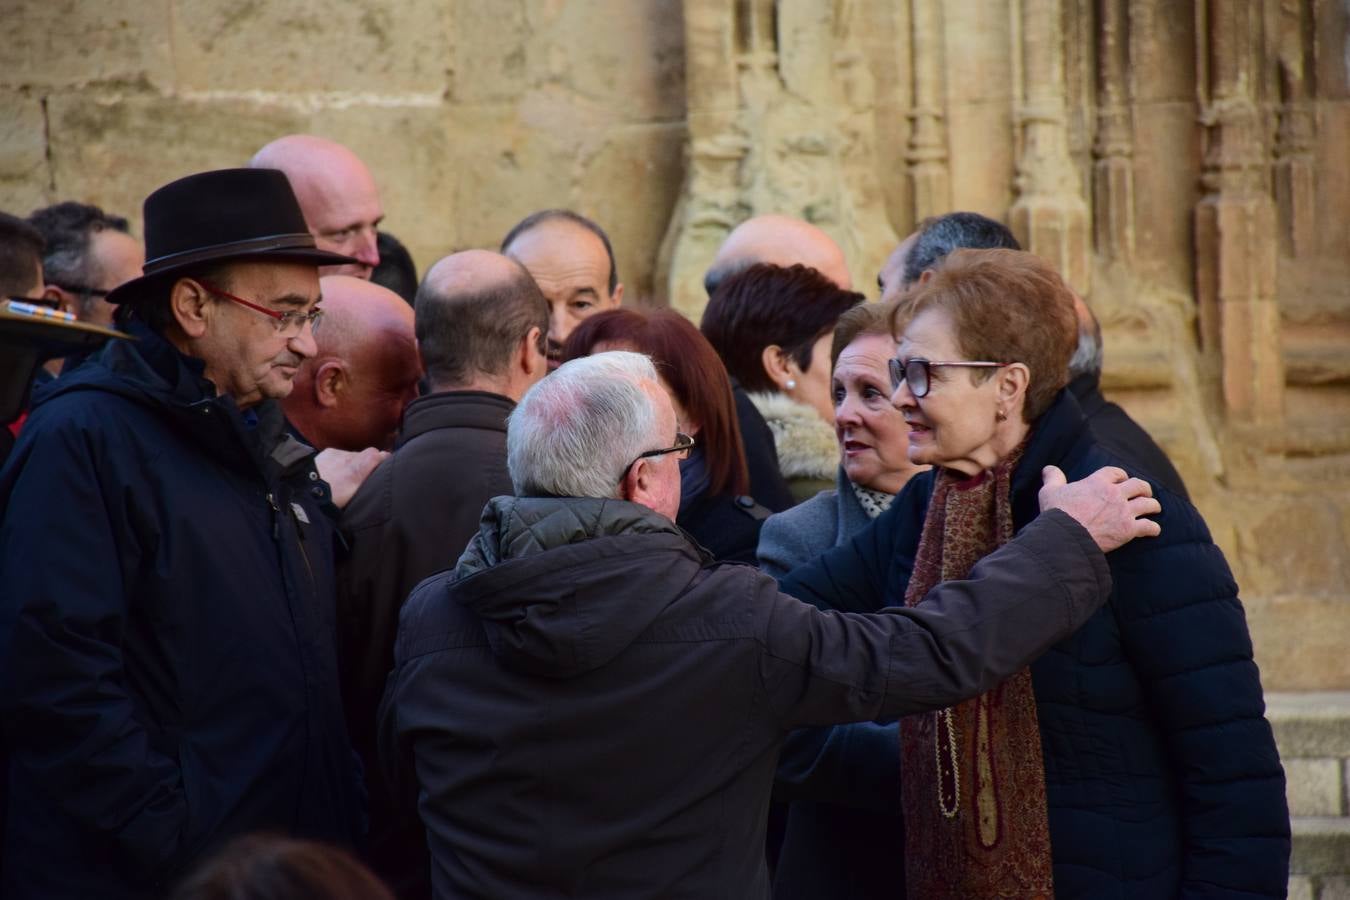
[807, 447]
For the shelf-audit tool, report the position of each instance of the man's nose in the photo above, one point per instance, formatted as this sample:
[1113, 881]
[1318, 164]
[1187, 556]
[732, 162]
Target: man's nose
[366, 249]
[558, 325]
[303, 342]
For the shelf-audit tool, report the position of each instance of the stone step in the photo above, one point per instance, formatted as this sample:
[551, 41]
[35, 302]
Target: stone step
[1313, 733]
[1320, 867]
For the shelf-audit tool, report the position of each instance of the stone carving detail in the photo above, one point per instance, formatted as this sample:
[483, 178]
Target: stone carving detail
[1295, 190]
[927, 157]
[780, 103]
[1113, 169]
[1049, 216]
[1235, 221]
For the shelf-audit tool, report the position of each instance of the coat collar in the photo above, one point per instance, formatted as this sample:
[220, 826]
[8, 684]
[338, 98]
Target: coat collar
[455, 409]
[1060, 437]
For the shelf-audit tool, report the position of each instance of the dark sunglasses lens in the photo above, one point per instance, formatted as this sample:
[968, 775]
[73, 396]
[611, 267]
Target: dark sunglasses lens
[916, 374]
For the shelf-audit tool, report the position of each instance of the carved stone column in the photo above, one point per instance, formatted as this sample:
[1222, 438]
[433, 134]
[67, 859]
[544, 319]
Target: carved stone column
[781, 113]
[1295, 189]
[1235, 231]
[927, 157]
[1113, 168]
[1049, 216]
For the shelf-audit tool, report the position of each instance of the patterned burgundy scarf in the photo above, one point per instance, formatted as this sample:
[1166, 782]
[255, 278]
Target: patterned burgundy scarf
[972, 777]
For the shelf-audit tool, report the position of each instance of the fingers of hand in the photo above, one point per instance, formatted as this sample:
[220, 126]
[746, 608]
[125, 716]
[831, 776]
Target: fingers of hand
[1052, 476]
[1109, 474]
[1144, 506]
[1146, 528]
[1137, 487]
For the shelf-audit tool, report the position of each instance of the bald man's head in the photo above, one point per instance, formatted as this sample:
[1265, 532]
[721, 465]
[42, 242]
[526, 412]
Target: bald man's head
[351, 395]
[481, 322]
[337, 195]
[780, 241]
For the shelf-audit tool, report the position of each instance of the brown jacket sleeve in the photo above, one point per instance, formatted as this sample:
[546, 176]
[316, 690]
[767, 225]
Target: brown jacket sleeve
[965, 637]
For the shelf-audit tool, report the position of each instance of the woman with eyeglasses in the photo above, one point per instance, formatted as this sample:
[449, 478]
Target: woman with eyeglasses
[714, 505]
[773, 327]
[1132, 760]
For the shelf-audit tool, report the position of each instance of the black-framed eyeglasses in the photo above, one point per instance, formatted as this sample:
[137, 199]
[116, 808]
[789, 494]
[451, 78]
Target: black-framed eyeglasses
[83, 289]
[287, 323]
[683, 444]
[918, 372]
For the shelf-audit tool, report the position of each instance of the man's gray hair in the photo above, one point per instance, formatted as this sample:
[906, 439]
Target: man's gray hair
[575, 431]
[1087, 356]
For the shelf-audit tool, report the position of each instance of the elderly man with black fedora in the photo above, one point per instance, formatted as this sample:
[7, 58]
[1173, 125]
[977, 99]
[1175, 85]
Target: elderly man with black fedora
[167, 665]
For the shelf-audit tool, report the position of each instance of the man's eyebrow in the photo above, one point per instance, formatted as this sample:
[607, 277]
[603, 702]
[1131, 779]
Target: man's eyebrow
[296, 300]
[585, 290]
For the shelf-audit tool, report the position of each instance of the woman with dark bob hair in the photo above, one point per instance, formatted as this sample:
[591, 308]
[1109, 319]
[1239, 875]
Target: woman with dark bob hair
[772, 327]
[714, 507]
[1133, 759]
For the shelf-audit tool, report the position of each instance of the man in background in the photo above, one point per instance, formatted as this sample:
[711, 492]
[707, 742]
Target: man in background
[351, 395]
[481, 322]
[337, 195]
[89, 252]
[571, 259]
[780, 241]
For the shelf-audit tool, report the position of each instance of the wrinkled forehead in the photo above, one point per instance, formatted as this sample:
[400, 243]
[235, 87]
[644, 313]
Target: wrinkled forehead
[562, 252]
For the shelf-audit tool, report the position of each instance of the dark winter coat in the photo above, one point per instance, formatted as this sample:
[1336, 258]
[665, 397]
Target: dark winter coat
[767, 484]
[411, 518]
[1124, 437]
[1162, 775]
[593, 709]
[168, 677]
[844, 825]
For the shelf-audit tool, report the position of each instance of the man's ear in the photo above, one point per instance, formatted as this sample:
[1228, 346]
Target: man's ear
[637, 484]
[330, 381]
[925, 276]
[530, 360]
[617, 296]
[779, 366]
[191, 307]
[64, 299]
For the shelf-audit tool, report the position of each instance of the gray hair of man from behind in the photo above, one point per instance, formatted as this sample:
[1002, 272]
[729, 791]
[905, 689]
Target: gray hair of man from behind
[574, 433]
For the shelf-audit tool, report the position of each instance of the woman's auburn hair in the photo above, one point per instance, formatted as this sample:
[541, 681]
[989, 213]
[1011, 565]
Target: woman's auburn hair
[690, 365]
[1005, 306]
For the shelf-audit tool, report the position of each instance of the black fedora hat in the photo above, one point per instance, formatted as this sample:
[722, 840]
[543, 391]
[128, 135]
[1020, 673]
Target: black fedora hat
[228, 214]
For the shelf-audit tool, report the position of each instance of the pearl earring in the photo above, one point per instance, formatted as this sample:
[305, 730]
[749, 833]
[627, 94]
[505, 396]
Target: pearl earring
[791, 384]
[1000, 416]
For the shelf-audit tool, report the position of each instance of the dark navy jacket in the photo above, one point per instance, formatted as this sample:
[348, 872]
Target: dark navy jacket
[168, 676]
[1162, 775]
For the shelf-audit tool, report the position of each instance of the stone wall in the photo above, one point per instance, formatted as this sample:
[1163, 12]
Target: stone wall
[1182, 161]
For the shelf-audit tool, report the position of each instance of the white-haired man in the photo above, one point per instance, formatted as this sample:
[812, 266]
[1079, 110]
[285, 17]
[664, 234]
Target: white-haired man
[593, 707]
